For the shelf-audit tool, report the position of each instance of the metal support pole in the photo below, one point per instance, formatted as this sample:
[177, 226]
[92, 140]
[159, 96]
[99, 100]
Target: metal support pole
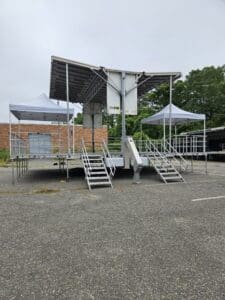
[19, 136]
[22, 166]
[68, 112]
[10, 134]
[206, 165]
[175, 140]
[67, 170]
[59, 146]
[123, 92]
[204, 138]
[93, 132]
[186, 143]
[73, 137]
[19, 167]
[17, 171]
[13, 172]
[164, 132]
[170, 108]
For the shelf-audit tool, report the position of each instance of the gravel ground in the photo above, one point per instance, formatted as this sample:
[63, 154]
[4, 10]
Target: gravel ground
[146, 241]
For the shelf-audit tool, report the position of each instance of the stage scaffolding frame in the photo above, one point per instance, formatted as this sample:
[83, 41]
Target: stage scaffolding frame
[76, 82]
[20, 143]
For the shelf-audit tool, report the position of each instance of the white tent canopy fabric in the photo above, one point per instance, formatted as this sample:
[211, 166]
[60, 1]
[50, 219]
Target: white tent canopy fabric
[40, 109]
[178, 116]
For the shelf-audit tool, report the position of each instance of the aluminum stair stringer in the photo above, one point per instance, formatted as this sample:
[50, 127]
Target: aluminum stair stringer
[164, 168]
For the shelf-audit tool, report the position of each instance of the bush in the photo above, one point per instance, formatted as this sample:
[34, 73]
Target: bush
[140, 136]
[4, 155]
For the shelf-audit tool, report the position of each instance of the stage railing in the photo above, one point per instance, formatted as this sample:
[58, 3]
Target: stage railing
[188, 144]
[179, 145]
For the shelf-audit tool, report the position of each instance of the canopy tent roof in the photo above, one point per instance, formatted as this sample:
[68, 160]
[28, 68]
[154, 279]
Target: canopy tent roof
[178, 116]
[40, 109]
[89, 83]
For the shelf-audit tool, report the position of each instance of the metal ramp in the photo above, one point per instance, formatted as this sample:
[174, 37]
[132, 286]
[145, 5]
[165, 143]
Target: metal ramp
[163, 166]
[96, 173]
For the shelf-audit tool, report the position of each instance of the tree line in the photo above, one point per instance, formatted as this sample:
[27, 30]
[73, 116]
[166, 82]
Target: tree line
[201, 91]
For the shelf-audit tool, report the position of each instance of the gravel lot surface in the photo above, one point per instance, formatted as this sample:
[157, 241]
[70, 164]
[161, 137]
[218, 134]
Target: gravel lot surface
[146, 241]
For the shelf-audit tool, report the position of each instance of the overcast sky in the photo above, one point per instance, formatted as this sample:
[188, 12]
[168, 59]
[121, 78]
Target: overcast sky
[150, 35]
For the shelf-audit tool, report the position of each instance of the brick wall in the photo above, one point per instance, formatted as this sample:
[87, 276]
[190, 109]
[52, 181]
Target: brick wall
[56, 131]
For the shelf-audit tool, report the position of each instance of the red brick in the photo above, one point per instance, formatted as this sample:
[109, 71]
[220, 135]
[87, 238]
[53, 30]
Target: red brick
[55, 130]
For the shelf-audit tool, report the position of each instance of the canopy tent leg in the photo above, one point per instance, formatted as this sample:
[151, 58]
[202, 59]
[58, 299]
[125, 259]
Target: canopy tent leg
[204, 137]
[68, 122]
[123, 78]
[170, 109]
[13, 171]
[206, 164]
[73, 137]
[67, 170]
[68, 112]
[93, 132]
[18, 138]
[10, 134]
[164, 132]
[204, 148]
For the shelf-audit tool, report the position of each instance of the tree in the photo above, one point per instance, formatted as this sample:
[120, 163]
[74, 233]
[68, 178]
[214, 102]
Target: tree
[202, 91]
[78, 119]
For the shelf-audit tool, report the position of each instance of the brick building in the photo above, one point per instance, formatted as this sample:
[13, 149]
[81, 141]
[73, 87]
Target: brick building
[56, 132]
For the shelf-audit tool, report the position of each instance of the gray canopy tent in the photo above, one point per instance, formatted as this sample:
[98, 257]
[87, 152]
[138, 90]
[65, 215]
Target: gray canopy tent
[174, 115]
[40, 108]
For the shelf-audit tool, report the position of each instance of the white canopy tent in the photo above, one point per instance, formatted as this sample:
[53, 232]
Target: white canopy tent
[172, 114]
[41, 109]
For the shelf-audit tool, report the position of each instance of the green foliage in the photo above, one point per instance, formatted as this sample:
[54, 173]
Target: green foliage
[140, 136]
[78, 119]
[4, 155]
[202, 91]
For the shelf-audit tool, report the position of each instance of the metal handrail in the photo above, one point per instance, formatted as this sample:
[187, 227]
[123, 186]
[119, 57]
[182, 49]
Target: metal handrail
[156, 151]
[188, 144]
[107, 155]
[169, 150]
[177, 154]
[85, 155]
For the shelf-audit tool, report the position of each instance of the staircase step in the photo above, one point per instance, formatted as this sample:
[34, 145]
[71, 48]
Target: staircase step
[96, 172]
[94, 165]
[100, 183]
[95, 168]
[174, 178]
[169, 173]
[97, 178]
[164, 166]
[166, 169]
[92, 156]
[93, 159]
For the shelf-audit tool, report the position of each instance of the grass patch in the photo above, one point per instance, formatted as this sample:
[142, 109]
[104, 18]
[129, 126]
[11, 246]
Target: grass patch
[4, 157]
[3, 164]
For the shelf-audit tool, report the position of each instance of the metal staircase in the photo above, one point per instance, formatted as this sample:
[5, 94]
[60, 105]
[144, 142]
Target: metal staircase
[175, 157]
[163, 166]
[96, 173]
